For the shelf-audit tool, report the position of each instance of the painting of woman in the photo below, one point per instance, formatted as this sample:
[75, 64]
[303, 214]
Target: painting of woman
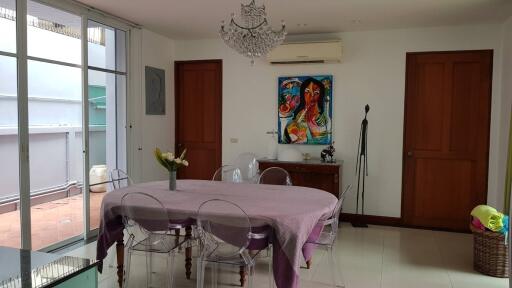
[309, 122]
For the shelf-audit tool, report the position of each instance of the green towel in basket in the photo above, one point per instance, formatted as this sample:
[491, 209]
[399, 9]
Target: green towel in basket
[489, 217]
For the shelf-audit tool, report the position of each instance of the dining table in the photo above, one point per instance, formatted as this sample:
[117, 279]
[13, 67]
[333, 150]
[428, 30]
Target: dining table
[292, 212]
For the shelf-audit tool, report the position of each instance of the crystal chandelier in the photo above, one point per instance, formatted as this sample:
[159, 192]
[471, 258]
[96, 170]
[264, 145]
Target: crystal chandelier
[253, 36]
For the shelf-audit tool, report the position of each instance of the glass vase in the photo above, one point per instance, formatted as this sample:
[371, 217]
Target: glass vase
[172, 180]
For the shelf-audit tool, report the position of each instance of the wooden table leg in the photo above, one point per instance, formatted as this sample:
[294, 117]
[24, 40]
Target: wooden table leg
[120, 261]
[242, 276]
[188, 252]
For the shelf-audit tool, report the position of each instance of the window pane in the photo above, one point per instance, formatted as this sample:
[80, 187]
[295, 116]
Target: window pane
[55, 127]
[106, 134]
[120, 50]
[53, 34]
[8, 26]
[107, 47]
[10, 233]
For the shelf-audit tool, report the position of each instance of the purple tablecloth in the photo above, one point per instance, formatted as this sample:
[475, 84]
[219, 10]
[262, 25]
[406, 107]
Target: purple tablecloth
[292, 211]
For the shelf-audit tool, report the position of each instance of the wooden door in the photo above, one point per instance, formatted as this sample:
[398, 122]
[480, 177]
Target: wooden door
[199, 116]
[446, 140]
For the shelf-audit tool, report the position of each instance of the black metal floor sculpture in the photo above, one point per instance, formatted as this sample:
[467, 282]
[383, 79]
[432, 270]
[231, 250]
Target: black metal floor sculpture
[362, 164]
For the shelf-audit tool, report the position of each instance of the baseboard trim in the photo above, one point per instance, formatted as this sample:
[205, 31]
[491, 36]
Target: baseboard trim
[391, 221]
[372, 219]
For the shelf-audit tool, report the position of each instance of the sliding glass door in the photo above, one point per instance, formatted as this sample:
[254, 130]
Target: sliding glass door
[10, 227]
[55, 124]
[62, 121]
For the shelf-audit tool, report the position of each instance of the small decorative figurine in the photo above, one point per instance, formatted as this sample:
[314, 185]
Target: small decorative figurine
[327, 154]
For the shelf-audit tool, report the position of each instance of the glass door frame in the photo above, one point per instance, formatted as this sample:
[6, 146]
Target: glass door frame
[86, 14]
[89, 233]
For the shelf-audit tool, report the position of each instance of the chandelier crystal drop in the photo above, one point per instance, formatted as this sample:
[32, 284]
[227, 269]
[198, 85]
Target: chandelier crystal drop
[252, 36]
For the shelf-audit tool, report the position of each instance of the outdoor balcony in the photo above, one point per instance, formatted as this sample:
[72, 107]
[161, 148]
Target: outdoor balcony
[52, 222]
[57, 205]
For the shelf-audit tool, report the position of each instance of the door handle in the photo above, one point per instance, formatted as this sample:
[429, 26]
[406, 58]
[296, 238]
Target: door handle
[409, 154]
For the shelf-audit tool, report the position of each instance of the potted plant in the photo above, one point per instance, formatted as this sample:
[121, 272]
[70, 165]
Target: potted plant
[172, 163]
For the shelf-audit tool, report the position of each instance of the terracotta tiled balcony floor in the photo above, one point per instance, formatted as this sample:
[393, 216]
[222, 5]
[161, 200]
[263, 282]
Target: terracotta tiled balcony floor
[52, 222]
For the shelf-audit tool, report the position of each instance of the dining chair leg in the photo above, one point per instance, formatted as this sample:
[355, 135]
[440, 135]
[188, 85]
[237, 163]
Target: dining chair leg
[170, 269]
[201, 267]
[148, 269]
[215, 274]
[201, 247]
[270, 269]
[151, 270]
[252, 273]
[334, 266]
[127, 269]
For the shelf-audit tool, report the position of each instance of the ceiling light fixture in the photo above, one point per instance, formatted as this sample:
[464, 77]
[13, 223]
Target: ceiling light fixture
[252, 36]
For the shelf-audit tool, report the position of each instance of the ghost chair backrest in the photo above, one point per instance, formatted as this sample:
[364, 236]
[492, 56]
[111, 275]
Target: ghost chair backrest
[248, 164]
[228, 173]
[275, 176]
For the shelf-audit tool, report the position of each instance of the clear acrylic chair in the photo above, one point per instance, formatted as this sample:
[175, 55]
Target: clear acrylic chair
[248, 165]
[228, 173]
[275, 176]
[120, 179]
[147, 223]
[328, 236]
[225, 232]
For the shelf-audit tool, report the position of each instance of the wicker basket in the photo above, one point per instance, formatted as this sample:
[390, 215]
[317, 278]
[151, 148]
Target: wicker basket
[490, 253]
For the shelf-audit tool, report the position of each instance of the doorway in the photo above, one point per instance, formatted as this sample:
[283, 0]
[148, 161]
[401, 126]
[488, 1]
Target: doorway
[446, 137]
[199, 116]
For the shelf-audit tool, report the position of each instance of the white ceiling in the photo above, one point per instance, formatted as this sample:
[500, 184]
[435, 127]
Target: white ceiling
[188, 19]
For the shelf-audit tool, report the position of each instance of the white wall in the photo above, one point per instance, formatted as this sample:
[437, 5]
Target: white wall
[373, 72]
[506, 104]
[150, 49]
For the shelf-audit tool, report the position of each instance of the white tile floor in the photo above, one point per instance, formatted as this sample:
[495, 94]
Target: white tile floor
[384, 257]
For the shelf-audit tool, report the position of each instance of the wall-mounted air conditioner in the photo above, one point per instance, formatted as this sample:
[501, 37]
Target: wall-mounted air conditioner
[306, 52]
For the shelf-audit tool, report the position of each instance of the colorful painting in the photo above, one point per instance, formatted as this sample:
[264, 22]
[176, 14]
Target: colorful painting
[305, 110]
